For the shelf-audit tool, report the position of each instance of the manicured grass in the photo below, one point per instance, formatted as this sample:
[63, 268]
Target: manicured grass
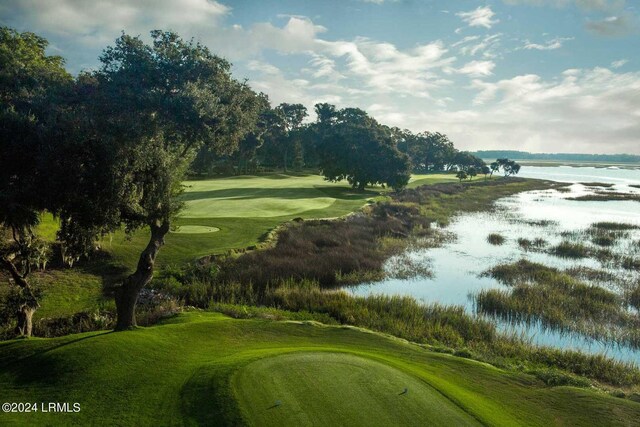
[431, 178]
[333, 388]
[68, 292]
[182, 373]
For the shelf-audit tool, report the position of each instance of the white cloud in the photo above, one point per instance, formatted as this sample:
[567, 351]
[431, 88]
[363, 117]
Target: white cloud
[386, 69]
[480, 17]
[619, 63]
[94, 21]
[262, 67]
[487, 45]
[324, 67]
[477, 68]
[592, 110]
[548, 45]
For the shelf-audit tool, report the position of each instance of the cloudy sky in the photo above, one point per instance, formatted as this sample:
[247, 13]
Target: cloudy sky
[535, 75]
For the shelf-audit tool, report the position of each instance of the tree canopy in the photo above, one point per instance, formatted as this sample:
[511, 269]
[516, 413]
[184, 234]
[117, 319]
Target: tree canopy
[135, 127]
[31, 84]
[356, 148]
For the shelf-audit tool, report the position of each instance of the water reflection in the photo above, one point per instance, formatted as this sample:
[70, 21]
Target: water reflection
[457, 266]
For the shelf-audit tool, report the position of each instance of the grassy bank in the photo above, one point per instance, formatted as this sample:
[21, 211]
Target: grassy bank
[204, 368]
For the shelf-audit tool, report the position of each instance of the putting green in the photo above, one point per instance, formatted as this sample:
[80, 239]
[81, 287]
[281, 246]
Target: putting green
[195, 229]
[242, 197]
[339, 389]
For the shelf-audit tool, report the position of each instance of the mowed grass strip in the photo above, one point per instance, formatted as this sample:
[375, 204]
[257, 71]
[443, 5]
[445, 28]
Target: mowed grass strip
[182, 373]
[321, 389]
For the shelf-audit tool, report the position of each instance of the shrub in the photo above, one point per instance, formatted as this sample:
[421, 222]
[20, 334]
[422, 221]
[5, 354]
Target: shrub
[495, 239]
[554, 377]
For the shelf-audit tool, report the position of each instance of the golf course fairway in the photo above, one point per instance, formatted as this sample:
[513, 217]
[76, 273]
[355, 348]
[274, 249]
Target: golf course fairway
[203, 368]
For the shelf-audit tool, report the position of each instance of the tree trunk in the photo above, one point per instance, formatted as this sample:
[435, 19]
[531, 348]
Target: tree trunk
[286, 152]
[24, 328]
[126, 295]
[28, 305]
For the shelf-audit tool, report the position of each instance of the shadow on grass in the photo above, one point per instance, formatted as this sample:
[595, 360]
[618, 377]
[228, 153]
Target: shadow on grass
[41, 367]
[252, 193]
[207, 397]
[290, 193]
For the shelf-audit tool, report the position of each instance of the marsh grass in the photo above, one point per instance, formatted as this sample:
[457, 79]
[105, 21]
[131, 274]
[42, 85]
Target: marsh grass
[333, 253]
[567, 249]
[495, 239]
[556, 300]
[608, 233]
[614, 226]
[593, 275]
[601, 196]
[630, 263]
[536, 244]
[597, 184]
[541, 223]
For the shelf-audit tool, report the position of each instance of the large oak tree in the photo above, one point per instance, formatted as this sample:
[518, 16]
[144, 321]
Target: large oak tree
[356, 148]
[31, 85]
[137, 123]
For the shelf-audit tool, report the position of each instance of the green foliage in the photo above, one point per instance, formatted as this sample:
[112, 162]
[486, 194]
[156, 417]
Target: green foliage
[495, 239]
[554, 378]
[509, 167]
[355, 148]
[138, 122]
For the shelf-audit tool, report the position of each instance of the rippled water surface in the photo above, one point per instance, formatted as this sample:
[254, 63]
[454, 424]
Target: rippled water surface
[457, 265]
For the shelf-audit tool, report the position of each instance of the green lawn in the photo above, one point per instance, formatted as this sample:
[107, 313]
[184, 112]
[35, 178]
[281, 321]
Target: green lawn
[334, 388]
[432, 178]
[245, 208]
[209, 369]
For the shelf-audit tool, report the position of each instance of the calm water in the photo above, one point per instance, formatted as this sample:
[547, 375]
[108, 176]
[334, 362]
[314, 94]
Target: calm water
[457, 265]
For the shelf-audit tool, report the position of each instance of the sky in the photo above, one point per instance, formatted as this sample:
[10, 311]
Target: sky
[532, 75]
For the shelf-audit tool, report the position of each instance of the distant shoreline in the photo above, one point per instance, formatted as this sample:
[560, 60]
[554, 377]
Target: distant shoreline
[556, 163]
[562, 158]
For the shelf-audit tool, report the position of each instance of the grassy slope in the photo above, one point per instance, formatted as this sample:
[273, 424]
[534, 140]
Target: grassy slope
[191, 369]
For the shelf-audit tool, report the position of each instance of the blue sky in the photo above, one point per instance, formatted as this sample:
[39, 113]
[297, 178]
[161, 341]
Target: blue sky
[536, 75]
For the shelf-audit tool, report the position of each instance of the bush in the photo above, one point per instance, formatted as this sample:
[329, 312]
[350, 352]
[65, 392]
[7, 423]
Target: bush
[495, 239]
[79, 322]
[554, 378]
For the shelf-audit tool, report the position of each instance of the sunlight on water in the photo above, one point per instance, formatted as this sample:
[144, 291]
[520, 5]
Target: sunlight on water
[457, 265]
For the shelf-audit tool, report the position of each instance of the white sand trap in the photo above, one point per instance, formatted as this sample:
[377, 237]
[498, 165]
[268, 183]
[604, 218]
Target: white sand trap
[195, 229]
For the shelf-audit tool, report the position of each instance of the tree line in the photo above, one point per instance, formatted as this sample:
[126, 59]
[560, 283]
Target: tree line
[341, 143]
[109, 149]
[566, 157]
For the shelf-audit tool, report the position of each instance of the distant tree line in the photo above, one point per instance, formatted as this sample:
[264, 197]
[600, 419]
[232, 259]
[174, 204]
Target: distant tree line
[343, 144]
[567, 157]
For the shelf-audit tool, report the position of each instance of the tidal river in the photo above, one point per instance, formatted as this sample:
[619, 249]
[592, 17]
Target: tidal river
[457, 265]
